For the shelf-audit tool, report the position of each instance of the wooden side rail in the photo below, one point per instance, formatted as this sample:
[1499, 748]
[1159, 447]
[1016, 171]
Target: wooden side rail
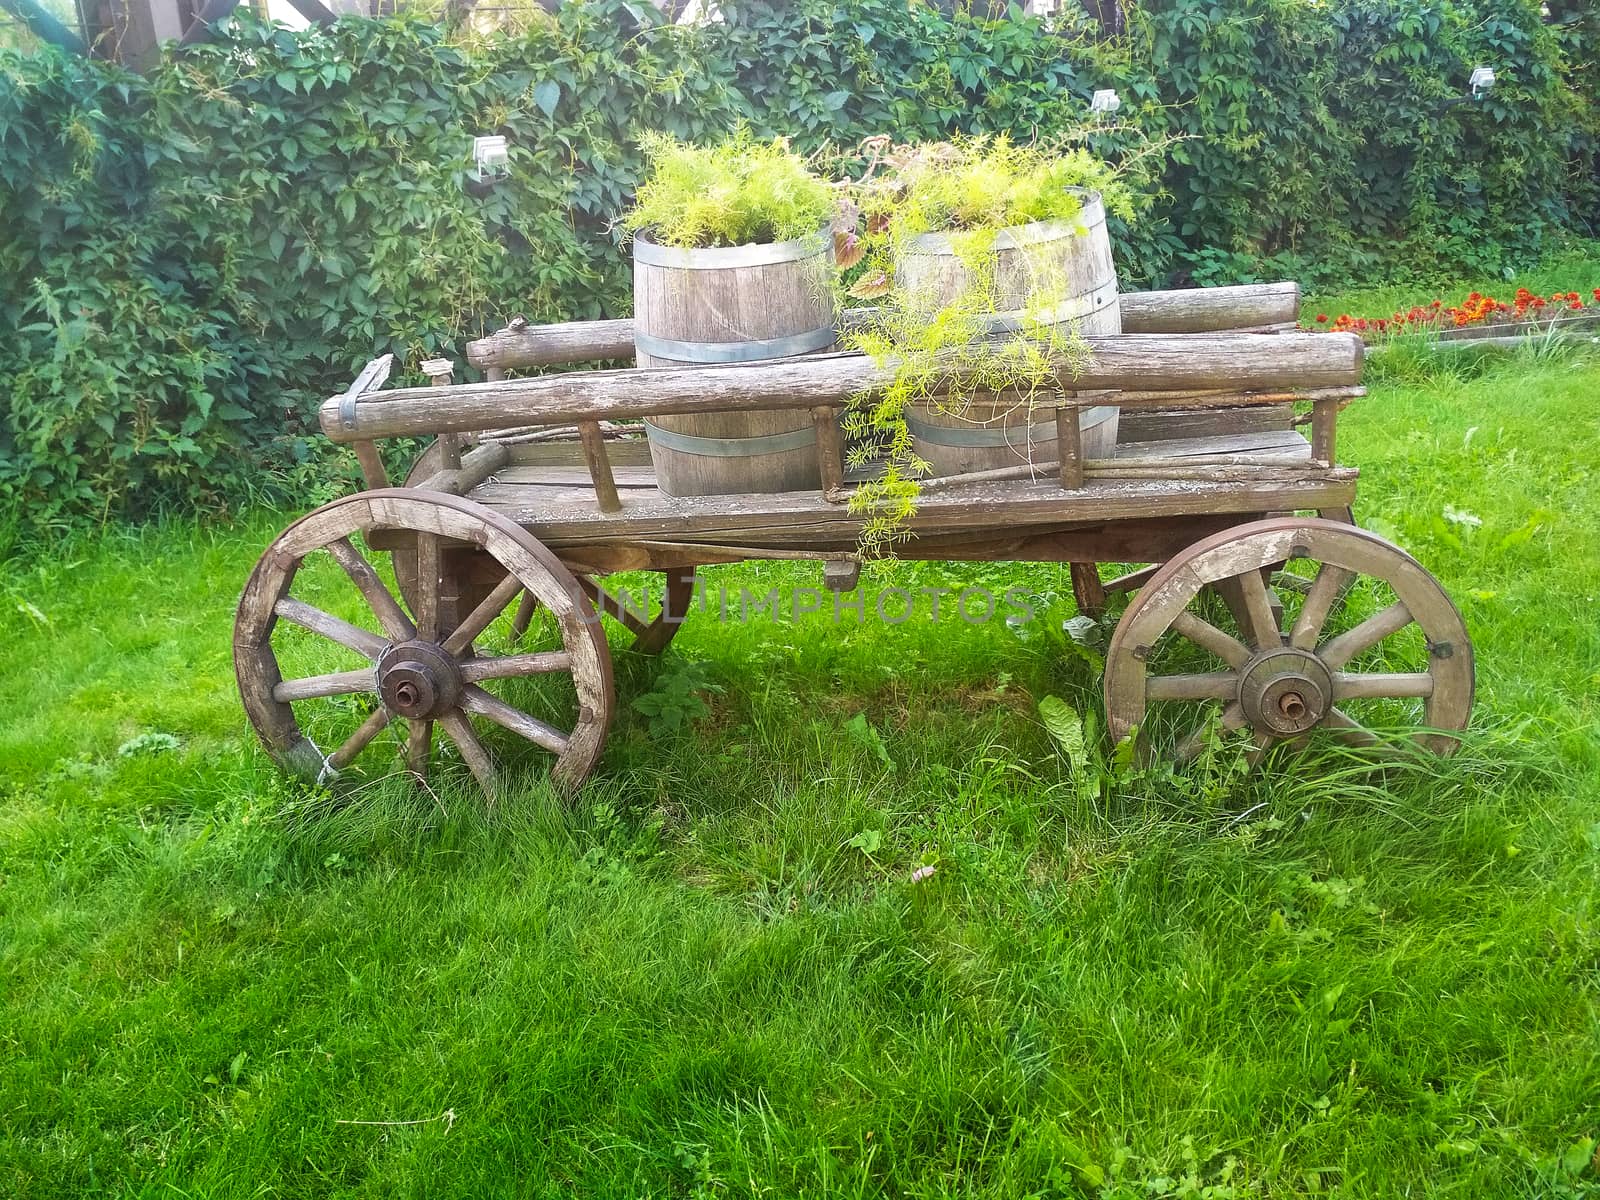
[1214, 367]
[1255, 306]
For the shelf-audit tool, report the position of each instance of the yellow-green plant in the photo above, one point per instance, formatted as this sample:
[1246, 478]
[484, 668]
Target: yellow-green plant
[737, 192]
[942, 350]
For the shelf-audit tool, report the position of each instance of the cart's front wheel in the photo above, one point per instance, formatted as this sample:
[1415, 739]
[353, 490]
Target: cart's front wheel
[331, 663]
[1368, 641]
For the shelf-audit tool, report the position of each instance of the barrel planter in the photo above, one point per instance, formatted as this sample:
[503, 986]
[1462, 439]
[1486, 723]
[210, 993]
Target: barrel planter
[1071, 259]
[734, 304]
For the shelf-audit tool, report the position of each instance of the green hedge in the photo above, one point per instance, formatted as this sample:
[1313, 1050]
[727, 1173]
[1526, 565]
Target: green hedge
[189, 260]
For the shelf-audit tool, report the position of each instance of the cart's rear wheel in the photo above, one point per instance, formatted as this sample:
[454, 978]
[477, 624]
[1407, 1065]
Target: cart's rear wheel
[1369, 640]
[424, 662]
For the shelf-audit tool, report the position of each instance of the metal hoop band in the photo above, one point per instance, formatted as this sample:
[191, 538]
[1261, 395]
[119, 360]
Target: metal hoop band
[703, 447]
[733, 352]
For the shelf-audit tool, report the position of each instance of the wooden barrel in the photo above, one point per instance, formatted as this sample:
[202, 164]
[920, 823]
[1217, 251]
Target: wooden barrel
[733, 305]
[1070, 260]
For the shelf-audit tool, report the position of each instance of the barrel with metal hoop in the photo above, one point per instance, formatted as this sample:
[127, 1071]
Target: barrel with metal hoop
[733, 304]
[1050, 272]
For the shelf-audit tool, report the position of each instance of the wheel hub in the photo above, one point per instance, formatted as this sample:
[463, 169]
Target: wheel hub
[1285, 692]
[418, 680]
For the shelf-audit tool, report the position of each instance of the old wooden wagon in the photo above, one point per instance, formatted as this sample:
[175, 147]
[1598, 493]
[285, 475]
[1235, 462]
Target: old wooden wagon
[479, 580]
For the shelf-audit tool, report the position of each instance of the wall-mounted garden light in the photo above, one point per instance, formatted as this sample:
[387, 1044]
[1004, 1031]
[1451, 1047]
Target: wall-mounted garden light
[1105, 102]
[1481, 82]
[491, 157]
[491, 160]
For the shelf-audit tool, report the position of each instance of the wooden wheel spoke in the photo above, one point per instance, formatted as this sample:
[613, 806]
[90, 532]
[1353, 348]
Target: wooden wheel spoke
[526, 607]
[1232, 718]
[375, 724]
[1349, 729]
[1208, 637]
[459, 728]
[419, 745]
[1409, 685]
[545, 662]
[340, 683]
[1216, 685]
[384, 606]
[325, 624]
[1261, 623]
[1341, 649]
[483, 616]
[426, 605]
[1325, 590]
[475, 700]
[1260, 743]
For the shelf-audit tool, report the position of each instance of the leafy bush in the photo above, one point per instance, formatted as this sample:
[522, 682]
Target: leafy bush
[733, 193]
[191, 259]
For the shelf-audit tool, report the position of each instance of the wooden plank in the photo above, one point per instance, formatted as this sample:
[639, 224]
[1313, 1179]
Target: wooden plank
[624, 454]
[1155, 361]
[558, 516]
[1134, 540]
[1150, 425]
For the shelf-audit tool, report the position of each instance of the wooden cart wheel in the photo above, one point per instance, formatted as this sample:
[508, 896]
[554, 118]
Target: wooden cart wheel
[1372, 635]
[415, 662]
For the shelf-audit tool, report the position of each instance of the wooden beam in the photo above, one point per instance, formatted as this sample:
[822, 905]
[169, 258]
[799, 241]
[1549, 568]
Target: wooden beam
[1207, 310]
[1186, 310]
[1153, 361]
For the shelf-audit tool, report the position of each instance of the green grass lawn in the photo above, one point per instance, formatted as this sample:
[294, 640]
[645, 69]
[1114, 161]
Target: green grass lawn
[711, 975]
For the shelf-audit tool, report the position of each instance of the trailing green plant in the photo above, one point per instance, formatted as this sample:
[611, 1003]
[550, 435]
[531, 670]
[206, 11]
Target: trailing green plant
[940, 346]
[736, 192]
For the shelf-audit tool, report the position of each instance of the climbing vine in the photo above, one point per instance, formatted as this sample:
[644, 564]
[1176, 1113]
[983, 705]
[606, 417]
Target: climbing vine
[190, 259]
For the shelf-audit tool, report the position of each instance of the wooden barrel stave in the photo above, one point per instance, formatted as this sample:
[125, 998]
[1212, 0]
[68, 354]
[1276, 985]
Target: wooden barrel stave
[740, 304]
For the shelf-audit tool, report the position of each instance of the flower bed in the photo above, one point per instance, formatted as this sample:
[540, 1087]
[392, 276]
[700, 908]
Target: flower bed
[1525, 312]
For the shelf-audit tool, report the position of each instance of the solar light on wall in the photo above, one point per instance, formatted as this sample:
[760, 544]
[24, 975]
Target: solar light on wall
[1481, 82]
[491, 157]
[1105, 102]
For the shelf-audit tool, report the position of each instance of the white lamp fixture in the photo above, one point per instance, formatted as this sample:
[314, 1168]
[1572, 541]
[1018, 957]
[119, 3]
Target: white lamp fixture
[1480, 83]
[491, 156]
[1105, 100]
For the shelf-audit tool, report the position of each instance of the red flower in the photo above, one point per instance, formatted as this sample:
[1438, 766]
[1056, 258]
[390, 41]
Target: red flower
[1322, 318]
[1575, 305]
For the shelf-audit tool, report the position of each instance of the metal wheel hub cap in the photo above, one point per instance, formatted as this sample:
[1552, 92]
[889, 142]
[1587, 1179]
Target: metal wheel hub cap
[418, 680]
[1285, 692]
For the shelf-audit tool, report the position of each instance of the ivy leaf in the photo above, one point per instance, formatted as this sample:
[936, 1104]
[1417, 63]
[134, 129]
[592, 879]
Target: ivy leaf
[834, 101]
[347, 205]
[547, 95]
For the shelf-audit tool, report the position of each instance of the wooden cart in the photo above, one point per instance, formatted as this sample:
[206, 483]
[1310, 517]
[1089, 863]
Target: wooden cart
[1264, 608]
